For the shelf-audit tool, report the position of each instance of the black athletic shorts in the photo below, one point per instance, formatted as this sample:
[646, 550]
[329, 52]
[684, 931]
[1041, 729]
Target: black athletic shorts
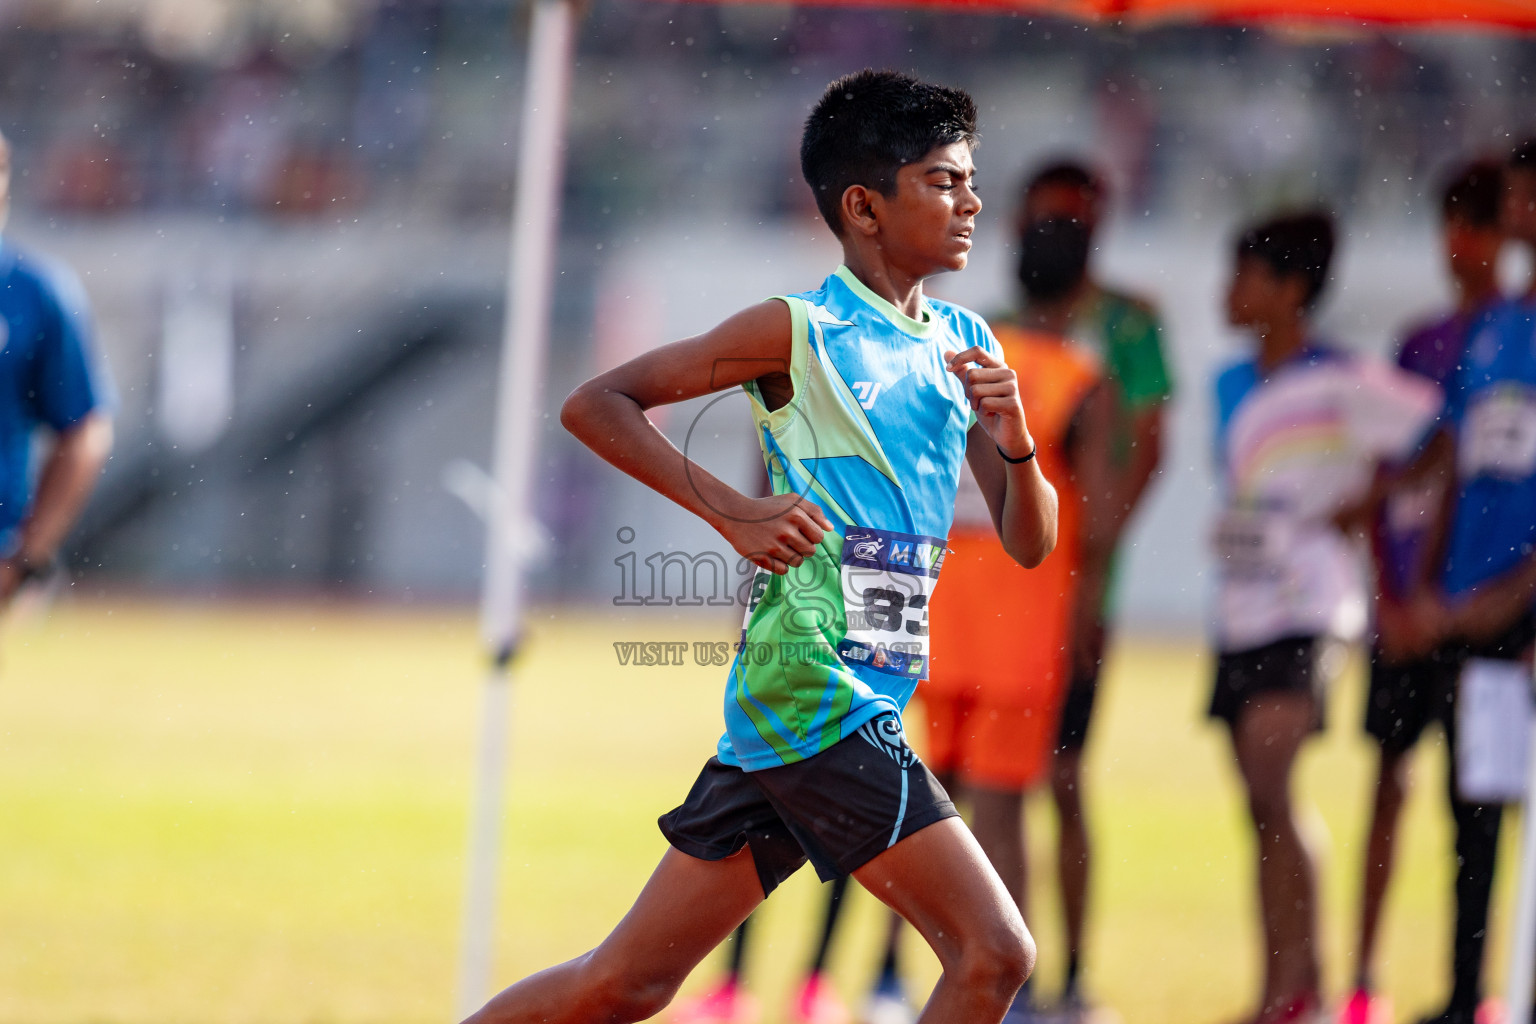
[1402, 698]
[838, 808]
[1293, 664]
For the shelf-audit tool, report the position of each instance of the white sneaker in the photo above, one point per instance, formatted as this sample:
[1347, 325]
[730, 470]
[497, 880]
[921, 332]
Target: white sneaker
[887, 1005]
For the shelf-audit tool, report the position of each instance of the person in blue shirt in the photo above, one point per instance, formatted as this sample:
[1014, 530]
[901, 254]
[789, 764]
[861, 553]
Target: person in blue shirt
[1479, 604]
[52, 379]
[1406, 695]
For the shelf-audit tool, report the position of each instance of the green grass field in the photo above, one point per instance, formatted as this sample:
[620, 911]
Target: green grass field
[256, 813]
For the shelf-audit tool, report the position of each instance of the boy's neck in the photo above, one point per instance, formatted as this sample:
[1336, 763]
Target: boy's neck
[1281, 342]
[900, 290]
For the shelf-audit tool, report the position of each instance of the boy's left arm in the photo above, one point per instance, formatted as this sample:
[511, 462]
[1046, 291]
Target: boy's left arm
[1021, 500]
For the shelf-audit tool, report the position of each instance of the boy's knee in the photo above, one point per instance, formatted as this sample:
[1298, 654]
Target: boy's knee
[1270, 810]
[998, 960]
[1023, 955]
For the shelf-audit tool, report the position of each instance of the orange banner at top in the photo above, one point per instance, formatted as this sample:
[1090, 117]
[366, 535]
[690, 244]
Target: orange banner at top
[1509, 14]
[1518, 15]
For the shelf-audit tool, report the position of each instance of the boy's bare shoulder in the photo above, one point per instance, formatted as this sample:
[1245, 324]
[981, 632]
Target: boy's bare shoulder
[750, 344]
[745, 346]
[766, 321]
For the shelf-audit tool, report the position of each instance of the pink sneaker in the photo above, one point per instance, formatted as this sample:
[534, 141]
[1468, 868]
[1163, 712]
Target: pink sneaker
[1365, 1007]
[725, 1004]
[817, 1002]
[1491, 1011]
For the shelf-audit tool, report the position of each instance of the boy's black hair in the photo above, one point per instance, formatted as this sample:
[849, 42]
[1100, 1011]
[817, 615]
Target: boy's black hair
[1295, 245]
[870, 124]
[1524, 156]
[1474, 194]
[1066, 173]
[1053, 258]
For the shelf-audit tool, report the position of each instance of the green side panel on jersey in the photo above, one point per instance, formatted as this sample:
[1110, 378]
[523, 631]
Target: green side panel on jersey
[785, 680]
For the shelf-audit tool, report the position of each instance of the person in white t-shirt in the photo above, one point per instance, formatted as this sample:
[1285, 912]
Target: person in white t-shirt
[1301, 433]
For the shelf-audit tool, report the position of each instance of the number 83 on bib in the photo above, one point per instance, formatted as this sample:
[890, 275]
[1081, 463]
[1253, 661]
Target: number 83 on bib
[887, 579]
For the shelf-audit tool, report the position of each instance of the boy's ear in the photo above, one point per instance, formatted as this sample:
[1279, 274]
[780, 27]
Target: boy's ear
[859, 213]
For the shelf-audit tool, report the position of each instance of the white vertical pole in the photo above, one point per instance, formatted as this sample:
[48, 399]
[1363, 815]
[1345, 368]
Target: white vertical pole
[1522, 946]
[530, 280]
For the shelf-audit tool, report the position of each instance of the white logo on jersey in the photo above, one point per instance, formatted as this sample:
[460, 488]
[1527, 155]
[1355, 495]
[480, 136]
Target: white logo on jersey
[868, 392]
[868, 549]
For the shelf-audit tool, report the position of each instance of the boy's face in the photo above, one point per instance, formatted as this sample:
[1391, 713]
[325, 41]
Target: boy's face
[1258, 297]
[926, 226]
[1471, 249]
[1519, 213]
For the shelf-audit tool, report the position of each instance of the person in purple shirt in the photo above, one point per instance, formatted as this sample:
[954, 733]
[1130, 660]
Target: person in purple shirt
[1409, 691]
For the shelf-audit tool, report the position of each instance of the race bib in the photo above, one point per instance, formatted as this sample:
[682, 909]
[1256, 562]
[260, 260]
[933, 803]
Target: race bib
[887, 579]
[1499, 436]
[1252, 542]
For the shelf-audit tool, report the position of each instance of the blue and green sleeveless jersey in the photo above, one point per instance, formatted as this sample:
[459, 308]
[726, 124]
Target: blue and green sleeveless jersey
[874, 435]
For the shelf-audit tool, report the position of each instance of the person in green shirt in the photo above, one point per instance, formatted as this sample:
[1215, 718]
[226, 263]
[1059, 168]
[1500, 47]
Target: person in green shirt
[1126, 334]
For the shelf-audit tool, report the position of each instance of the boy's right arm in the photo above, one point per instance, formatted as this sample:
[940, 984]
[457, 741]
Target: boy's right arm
[607, 414]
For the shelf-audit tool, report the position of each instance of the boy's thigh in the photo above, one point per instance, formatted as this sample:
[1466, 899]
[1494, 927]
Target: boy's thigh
[687, 908]
[856, 799]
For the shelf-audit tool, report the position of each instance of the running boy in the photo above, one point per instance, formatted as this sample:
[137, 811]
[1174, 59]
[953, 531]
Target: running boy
[866, 395]
[1301, 433]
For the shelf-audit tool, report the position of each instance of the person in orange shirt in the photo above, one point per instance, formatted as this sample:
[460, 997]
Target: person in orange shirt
[1001, 635]
[1001, 640]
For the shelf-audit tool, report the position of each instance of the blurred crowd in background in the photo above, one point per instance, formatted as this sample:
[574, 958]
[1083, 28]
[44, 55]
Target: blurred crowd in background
[410, 102]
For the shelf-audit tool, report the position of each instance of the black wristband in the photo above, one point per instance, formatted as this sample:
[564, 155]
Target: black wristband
[1017, 462]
